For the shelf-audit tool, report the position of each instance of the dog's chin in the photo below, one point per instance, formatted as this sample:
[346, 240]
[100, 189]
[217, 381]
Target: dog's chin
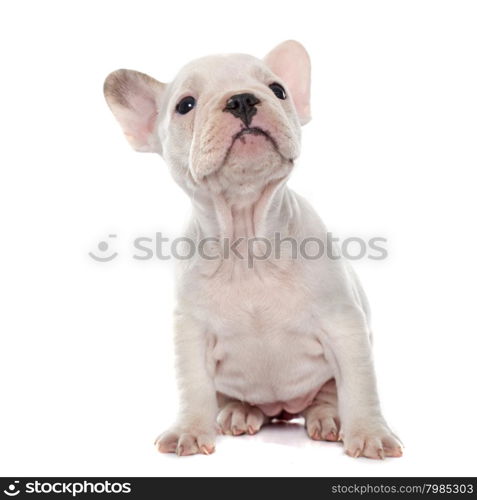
[252, 161]
[252, 151]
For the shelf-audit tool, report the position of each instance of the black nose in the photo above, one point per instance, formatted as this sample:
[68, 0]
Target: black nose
[242, 106]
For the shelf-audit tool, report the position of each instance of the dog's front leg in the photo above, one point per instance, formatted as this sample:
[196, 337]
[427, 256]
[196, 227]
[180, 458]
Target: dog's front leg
[364, 430]
[194, 430]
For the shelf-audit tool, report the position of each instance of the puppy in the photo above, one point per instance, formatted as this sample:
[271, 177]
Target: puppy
[287, 335]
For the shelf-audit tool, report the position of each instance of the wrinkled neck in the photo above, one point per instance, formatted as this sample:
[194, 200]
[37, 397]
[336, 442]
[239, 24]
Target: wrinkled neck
[271, 211]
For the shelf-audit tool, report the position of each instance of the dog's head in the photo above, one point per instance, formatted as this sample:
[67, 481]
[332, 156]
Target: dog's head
[231, 119]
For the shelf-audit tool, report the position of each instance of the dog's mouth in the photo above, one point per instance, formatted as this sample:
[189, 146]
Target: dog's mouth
[253, 131]
[257, 131]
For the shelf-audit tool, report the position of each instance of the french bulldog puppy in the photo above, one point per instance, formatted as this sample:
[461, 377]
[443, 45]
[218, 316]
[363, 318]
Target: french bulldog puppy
[287, 335]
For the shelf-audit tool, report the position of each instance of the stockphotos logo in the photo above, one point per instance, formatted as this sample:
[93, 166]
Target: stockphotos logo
[68, 488]
[250, 249]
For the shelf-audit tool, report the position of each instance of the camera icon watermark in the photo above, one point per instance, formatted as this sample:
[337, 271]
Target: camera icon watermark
[104, 250]
[13, 489]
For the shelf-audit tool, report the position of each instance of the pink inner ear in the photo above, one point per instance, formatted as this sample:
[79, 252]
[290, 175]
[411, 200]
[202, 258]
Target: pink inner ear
[144, 112]
[137, 127]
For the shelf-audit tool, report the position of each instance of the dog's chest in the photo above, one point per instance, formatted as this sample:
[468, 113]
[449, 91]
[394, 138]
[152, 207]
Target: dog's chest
[260, 300]
[263, 346]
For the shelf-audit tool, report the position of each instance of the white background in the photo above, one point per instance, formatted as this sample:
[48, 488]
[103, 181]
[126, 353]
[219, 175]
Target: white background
[86, 369]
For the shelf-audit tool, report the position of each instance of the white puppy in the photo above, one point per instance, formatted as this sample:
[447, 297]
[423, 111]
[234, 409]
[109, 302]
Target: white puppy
[287, 335]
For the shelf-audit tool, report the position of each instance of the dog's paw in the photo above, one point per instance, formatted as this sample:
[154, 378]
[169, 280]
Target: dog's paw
[321, 427]
[371, 441]
[238, 418]
[186, 441]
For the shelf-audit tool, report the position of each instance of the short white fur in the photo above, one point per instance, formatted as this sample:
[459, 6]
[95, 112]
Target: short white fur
[286, 336]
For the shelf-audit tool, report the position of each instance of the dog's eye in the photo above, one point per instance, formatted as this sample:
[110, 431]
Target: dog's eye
[185, 105]
[278, 90]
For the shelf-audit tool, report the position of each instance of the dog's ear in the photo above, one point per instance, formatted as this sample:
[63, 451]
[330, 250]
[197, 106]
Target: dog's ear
[291, 62]
[134, 99]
